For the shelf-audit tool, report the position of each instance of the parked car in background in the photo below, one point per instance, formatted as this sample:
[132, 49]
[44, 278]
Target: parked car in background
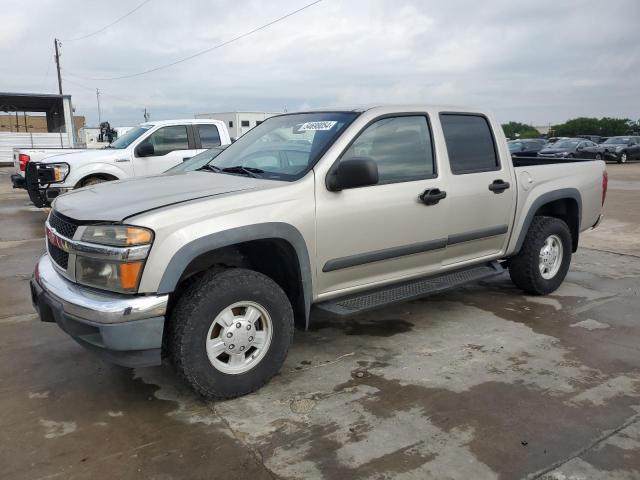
[551, 140]
[571, 148]
[593, 138]
[526, 147]
[621, 149]
[149, 149]
[210, 269]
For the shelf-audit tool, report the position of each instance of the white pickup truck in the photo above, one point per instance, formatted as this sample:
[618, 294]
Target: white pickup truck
[148, 149]
[343, 210]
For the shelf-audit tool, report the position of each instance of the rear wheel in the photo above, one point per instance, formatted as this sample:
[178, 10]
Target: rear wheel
[543, 261]
[230, 332]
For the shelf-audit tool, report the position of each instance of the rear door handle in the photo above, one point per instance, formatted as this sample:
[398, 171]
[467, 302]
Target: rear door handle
[499, 186]
[184, 159]
[432, 196]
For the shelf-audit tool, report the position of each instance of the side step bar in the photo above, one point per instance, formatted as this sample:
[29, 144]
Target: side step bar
[410, 290]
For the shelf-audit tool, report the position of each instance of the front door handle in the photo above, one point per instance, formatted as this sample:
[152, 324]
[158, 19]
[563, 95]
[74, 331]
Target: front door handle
[499, 186]
[184, 159]
[432, 196]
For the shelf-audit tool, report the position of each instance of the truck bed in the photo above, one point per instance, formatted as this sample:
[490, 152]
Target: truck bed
[528, 161]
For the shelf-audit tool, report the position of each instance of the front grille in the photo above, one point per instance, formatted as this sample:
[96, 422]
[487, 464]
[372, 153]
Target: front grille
[63, 225]
[58, 255]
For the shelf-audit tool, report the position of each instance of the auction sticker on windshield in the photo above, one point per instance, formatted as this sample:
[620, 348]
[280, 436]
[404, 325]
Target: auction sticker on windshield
[327, 125]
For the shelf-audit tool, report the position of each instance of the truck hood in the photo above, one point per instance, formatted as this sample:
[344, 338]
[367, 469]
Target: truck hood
[117, 200]
[88, 156]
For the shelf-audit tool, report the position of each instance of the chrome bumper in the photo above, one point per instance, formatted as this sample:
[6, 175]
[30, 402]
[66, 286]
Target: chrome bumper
[125, 330]
[98, 307]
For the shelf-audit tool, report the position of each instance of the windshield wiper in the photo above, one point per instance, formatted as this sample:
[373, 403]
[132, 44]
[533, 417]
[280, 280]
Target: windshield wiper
[210, 167]
[247, 171]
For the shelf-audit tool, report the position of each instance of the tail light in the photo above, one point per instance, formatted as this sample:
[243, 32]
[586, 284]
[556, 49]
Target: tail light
[605, 185]
[23, 159]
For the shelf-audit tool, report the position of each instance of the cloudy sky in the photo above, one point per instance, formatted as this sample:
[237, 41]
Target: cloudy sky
[535, 61]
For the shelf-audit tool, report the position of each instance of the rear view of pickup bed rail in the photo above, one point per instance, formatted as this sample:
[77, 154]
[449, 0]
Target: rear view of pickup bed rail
[342, 210]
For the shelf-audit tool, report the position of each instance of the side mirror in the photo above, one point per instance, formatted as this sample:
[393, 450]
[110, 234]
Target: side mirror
[352, 173]
[145, 149]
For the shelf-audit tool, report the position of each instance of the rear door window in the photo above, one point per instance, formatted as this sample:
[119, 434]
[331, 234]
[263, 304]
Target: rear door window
[470, 143]
[209, 135]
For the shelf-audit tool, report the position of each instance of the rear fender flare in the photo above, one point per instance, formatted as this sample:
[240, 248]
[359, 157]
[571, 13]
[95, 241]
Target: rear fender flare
[563, 193]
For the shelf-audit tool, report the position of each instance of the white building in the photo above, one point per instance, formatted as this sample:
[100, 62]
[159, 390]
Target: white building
[238, 123]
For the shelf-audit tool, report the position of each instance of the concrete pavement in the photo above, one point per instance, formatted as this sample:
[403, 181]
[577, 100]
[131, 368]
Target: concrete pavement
[482, 382]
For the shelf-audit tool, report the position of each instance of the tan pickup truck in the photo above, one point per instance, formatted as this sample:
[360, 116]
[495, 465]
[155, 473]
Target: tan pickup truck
[341, 210]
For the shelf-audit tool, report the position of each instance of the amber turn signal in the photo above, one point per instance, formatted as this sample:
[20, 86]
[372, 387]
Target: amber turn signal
[129, 274]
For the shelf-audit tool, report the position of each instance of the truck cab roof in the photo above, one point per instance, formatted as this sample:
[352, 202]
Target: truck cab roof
[180, 121]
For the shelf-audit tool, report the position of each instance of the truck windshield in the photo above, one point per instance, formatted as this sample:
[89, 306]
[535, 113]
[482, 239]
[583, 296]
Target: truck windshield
[284, 147]
[129, 137]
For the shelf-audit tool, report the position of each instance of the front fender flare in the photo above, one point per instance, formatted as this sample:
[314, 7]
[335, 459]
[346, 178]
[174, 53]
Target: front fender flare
[214, 241]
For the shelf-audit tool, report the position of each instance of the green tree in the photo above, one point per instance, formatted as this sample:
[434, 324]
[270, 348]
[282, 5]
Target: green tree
[519, 130]
[605, 127]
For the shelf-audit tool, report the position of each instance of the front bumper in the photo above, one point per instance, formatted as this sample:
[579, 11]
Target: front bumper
[38, 180]
[124, 329]
[610, 155]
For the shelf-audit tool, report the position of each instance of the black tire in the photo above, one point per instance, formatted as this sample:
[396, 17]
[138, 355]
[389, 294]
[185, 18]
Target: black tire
[524, 267]
[92, 181]
[623, 157]
[194, 313]
[598, 156]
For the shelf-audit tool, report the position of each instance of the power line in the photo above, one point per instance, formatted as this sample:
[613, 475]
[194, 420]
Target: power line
[109, 25]
[202, 52]
[122, 99]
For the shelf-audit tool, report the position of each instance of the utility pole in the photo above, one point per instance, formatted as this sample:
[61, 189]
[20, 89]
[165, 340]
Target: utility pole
[98, 98]
[55, 44]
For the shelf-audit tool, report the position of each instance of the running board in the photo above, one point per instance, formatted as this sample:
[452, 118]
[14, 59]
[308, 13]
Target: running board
[410, 290]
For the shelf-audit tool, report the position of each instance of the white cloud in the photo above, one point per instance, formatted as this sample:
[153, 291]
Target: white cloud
[539, 62]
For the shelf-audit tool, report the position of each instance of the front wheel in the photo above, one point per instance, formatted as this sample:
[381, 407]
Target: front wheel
[622, 158]
[230, 332]
[543, 261]
[598, 156]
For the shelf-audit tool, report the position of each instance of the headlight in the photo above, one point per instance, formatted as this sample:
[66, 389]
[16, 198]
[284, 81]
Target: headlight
[115, 276]
[117, 235]
[60, 171]
[116, 259]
